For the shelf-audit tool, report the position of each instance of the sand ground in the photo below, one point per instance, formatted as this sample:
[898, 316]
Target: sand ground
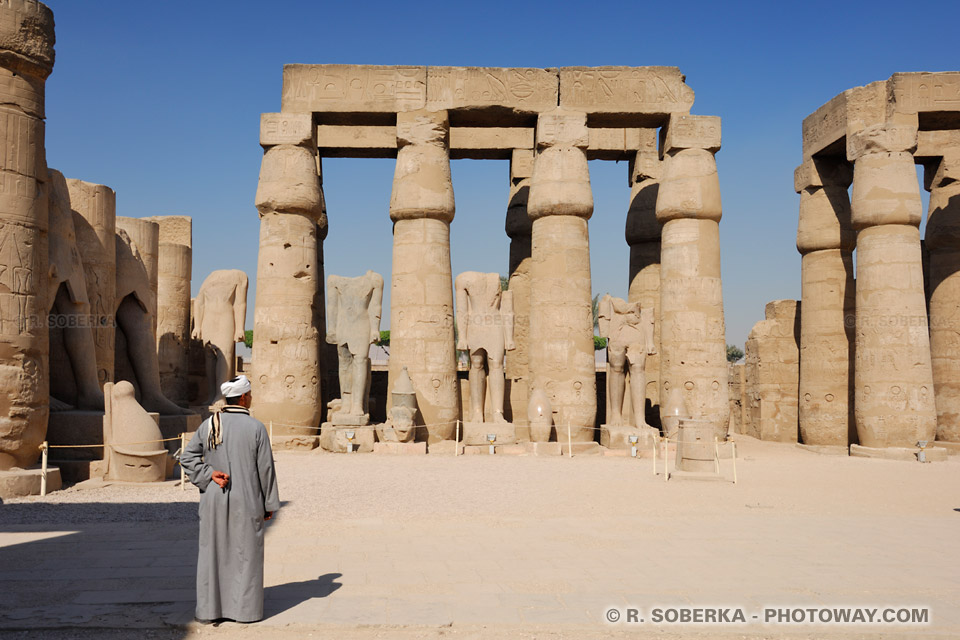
[370, 546]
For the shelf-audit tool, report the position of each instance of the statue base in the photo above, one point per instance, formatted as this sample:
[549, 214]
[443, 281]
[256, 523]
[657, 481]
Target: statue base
[334, 438]
[618, 437]
[17, 483]
[387, 433]
[294, 443]
[952, 448]
[349, 420]
[475, 433]
[400, 448]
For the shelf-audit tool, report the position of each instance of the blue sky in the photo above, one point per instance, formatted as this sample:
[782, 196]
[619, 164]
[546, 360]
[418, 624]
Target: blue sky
[161, 101]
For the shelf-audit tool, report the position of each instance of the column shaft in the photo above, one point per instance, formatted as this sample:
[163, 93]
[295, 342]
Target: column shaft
[519, 228]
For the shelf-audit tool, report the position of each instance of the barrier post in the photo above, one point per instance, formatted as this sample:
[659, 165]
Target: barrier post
[43, 468]
[716, 454]
[734, 445]
[569, 442]
[183, 474]
[666, 459]
[456, 441]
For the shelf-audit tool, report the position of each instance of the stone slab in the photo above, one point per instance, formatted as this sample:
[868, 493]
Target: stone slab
[334, 438]
[475, 433]
[17, 483]
[348, 420]
[287, 128]
[400, 448]
[353, 88]
[925, 92]
[625, 90]
[825, 450]
[618, 437]
[906, 454]
[693, 132]
[294, 443]
[524, 90]
[825, 126]
[581, 448]
[952, 448]
[444, 448]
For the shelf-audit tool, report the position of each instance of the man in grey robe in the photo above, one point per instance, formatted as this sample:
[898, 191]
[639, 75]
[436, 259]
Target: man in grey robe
[232, 450]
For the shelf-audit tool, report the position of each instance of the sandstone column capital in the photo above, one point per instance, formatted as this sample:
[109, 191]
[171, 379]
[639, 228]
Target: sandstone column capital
[422, 186]
[562, 128]
[27, 37]
[881, 138]
[423, 127]
[815, 173]
[289, 182]
[560, 184]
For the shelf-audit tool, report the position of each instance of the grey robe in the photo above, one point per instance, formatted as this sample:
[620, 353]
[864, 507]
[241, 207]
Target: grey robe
[230, 561]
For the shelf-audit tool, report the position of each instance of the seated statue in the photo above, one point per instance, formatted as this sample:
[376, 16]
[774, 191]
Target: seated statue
[629, 334]
[353, 324]
[220, 313]
[485, 329]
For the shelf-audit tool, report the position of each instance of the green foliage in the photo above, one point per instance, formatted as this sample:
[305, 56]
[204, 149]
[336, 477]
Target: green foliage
[599, 343]
[384, 340]
[595, 308]
[734, 353]
[248, 338]
[504, 283]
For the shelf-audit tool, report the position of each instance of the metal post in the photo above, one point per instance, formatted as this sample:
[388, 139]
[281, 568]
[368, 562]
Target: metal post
[43, 468]
[183, 474]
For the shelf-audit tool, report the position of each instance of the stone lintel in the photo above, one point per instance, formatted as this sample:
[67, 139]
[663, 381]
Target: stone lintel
[924, 92]
[825, 126]
[353, 88]
[287, 128]
[934, 144]
[817, 172]
[625, 90]
[692, 132]
[522, 90]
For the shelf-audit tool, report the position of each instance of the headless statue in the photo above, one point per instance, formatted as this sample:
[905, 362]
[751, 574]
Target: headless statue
[629, 334]
[485, 329]
[135, 315]
[353, 324]
[67, 286]
[220, 315]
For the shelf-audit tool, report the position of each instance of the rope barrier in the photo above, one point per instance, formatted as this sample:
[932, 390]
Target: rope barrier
[112, 444]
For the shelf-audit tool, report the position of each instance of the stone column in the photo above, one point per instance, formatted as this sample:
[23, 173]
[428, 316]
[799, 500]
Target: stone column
[329, 359]
[643, 235]
[561, 323]
[943, 243]
[894, 398]
[286, 340]
[826, 240]
[26, 59]
[518, 227]
[692, 339]
[173, 304]
[95, 221]
[421, 289]
[145, 234]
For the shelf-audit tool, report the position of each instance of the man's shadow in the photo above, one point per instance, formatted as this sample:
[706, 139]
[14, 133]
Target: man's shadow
[281, 597]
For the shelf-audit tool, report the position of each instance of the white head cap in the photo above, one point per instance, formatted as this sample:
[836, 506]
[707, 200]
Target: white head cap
[236, 387]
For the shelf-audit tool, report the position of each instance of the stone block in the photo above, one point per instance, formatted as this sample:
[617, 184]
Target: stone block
[562, 128]
[692, 132]
[521, 164]
[400, 448]
[75, 428]
[932, 144]
[906, 454]
[825, 126]
[349, 88]
[882, 138]
[952, 448]
[523, 90]
[579, 448]
[294, 443]
[925, 92]
[476, 432]
[625, 90]
[287, 128]
[825, 449]
[334, 438]
[444, 448]
[476, 141]
[618, 437]
[17, 483]
[819, 172]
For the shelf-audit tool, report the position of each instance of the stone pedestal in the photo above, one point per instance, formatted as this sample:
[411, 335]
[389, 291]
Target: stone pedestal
[17, 483]
[613, 437]
[335, 439]
[692, 334]
[696, 446]
[475, 433]
[561, 331]
[421, 303]
[286, 353]
[826, 239]
[894, 399]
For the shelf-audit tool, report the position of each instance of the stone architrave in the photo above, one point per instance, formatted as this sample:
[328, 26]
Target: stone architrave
[772, 373]
[73, 357]
[629, 330]
[485, 319]
[561, 332]
[943, 244]
[287, 342]
[894, 394]
[518, 228]
[643, 236]
[94, 209]
[26, 59]
[826, 240]
[173, 304]
[692, 337]
[421, 298]
[353, 324]
[220, 319]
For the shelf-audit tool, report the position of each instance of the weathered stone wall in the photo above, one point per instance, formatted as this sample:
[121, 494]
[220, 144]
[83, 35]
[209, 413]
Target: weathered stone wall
[772, 374]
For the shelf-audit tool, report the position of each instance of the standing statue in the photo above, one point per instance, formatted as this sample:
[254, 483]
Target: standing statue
[485, 329]
[629, 334]
[220, 315]
[353, 324]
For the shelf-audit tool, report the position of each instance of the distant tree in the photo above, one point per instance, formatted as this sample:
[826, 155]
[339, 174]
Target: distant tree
[384, 340]
[734, 353]
[595, 309]
[504, 283]
[599, 343]
[248, 338]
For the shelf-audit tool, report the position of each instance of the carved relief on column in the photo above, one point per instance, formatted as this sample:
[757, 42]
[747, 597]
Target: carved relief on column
[643, 236]
[286, 346]
[518, 228]
[26, 59]
[943, 244]
[421, 292]
[894, 394]
[826, 239]
[692, 337]
[561, 323]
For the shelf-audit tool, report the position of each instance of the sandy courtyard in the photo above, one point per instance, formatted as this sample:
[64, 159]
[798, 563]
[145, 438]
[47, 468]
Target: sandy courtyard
[372, 546]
